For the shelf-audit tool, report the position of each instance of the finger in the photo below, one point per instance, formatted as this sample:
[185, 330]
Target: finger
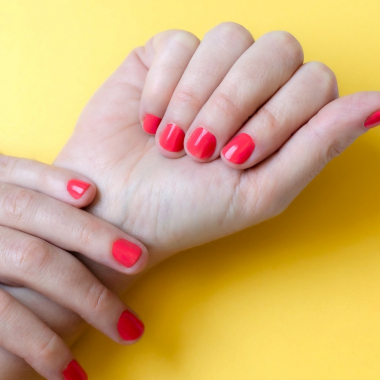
[325, 136]
[61, 184]
[26, 336]
[218, 51]
[70, 229]
[254, 78]
[37, 265]
[311, 88]
[171, 52]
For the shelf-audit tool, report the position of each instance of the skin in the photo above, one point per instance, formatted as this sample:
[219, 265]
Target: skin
[161, 201]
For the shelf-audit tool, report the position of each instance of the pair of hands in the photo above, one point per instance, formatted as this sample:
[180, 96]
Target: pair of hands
[215, 108]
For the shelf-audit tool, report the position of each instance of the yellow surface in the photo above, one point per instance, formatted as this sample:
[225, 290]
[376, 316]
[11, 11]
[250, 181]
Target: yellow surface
[297, 297]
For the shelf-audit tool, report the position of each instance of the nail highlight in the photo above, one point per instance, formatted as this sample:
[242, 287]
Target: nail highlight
[239, 149]
[77, 188]
[129, 326]
[172, 138]
[373, 120]
[74, 372]
[126, 253]
[201, 143]
[151, 124]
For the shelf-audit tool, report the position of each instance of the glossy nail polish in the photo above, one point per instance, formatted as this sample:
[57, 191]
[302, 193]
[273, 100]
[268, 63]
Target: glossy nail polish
[239, 149]
[201, 143]
[74, 372]
[373, 120]
[151, 124]
[172, 138]
[77, 188]
[129, 326]
[126, 253]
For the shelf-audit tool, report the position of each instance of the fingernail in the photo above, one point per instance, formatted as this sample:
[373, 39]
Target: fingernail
[239, 149]
[77, 188]
[172, 138]
[151, 123]
[74, 372]
[125, 252]
[129, 326]
[201, 143]
[373, 120]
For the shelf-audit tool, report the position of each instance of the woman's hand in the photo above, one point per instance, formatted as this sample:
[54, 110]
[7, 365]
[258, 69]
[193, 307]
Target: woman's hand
[174, 204]
[34, 230]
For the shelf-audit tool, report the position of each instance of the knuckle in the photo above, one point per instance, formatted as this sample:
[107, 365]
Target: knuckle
[6, 303]
[227, 103]
[187, 96]
[87, 231]
[6, 165]
[332, 145]
[268, 119]
[17, 202]
[31, 257]
[179, 37]
[97, 298]
[288, 46]
[231, 32]
[48, 347]
[325, 77]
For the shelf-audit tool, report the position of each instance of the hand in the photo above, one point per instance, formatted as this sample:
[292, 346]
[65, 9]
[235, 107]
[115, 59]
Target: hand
[174, 204]
[32, 227]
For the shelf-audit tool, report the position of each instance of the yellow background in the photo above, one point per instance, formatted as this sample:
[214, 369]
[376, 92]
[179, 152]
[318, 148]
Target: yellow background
[297, 297]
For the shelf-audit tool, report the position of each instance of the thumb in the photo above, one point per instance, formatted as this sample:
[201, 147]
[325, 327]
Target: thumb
[326, 135]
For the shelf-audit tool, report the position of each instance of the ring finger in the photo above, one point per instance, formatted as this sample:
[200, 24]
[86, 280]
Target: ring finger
[256, 76]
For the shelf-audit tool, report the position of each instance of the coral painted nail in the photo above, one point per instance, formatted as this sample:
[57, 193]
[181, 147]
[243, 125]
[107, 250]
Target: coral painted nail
[77, 188]
[151, 124]
[74, 372]
[373, 120]
[239, 149]
[172, 138]
[126, 253]
[201, 143]
[129, 326]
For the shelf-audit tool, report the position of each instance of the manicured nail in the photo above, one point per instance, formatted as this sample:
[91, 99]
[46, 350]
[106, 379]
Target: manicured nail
[172, 138]
[201, 143]
[373, 120]
[77, 188]
[151, 123]
[126, 253]
[239, 149]
[129, 326]
[74, 372]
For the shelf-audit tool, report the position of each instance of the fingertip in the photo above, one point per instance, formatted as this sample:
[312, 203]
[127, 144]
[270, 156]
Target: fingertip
[151, 123]
[132, 257]
[81, 191]
[130, 327]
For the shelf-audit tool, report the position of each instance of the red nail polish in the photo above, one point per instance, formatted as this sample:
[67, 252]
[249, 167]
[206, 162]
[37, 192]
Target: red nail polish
[239, 149]
[74, 372]
[126, 253]
[129, 326]
[201, 143]
[373, 120]
[172, 138]
[77, 188]
[151, 124]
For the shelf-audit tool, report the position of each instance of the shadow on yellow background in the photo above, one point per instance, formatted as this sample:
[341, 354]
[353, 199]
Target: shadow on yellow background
[296, 297]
